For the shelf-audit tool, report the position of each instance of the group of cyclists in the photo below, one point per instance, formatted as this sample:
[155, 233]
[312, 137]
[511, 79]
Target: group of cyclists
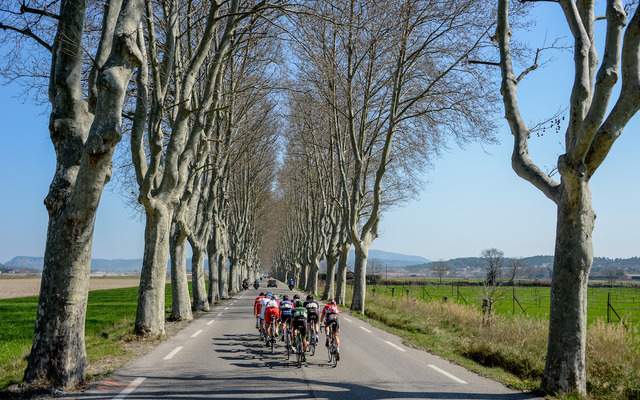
[291, 315]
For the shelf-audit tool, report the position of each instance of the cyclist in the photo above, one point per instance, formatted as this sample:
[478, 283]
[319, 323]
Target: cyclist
[331, 316]
[286, 307]
[313, 310]
[271, 314]
[256, 308]
[263, 308]
[299, 322]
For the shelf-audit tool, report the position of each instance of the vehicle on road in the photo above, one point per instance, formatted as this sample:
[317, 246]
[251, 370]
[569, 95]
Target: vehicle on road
[272, 283]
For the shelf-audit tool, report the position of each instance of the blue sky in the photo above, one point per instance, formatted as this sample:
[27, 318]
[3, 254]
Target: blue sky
[473, 200]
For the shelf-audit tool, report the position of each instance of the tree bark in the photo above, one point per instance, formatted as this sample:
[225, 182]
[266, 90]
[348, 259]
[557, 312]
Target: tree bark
[214, 275]
[181, 300]
[341, 279]
[360, 274]
[200, 298]
[150, 312]
[565, 364]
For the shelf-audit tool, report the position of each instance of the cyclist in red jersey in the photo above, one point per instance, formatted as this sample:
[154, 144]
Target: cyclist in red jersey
[331, 316]
[271, 314]
[256, 309]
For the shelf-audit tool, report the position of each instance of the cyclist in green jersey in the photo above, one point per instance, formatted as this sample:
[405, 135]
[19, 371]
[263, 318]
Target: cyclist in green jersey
[299, 322]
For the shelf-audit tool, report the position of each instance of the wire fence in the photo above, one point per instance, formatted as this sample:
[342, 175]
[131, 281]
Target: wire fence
[612, 303]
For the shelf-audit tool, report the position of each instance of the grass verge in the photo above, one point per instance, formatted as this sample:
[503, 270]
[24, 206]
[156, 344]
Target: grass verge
[510, 349]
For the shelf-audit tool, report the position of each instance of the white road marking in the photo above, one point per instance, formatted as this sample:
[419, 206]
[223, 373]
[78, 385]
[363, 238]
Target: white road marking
[210, 322]
[348, 319]
[443, 372]
[173, 353]
[132, 386]
[197, 333]
[395, 345]
[365, 329]
[219, 314]
[226, 308]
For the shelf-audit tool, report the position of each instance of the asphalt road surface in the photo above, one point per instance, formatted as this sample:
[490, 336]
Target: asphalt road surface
[219, 356]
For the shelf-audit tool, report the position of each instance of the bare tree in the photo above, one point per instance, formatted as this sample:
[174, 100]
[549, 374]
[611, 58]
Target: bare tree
[493, 266]
[85, 126]
[612, 274]
[515, 265]
[592, 129]
[441, 269]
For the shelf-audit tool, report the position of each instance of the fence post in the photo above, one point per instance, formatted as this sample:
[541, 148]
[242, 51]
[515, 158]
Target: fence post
[407, 293]
[374, 292]
[392, 291]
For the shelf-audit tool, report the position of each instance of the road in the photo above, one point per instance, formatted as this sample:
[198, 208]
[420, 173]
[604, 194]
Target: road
[219, 356]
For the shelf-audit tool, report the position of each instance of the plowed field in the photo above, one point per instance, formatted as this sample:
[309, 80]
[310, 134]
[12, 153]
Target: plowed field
[23, 287]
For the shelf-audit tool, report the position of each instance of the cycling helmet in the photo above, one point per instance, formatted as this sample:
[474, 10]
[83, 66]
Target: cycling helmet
[296, 296]
[309, 297]
[332, 302]
[299, 303]
[285, 297]
[269, 294]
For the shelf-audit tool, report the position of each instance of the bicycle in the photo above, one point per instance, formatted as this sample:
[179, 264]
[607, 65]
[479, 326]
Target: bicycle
[333, 347]
[287, 341]
[312, 339]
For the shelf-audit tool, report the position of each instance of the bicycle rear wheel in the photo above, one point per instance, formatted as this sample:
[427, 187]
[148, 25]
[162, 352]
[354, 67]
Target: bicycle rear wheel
[287, 342]
[273, 335]
[299, 350]
[312, 341]
[334, 351]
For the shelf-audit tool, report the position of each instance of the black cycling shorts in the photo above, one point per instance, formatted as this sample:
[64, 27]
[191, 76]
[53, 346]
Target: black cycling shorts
[312, 316]
[335, 322]
[300, 326]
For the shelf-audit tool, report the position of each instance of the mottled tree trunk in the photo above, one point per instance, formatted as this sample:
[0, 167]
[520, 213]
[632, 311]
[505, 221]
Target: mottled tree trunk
[181, 301]
[565, 364]
[200, 299]
[360, 275]
[223, 276]
[329, 287]
[312, 281]
[150, 312]
[214, 276]
[341, 278]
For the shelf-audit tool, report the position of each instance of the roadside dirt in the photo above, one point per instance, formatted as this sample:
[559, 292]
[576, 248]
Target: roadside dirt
[24, 287]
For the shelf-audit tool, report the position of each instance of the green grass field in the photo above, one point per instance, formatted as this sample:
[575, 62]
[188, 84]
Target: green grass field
[610, 304]
[110, 317]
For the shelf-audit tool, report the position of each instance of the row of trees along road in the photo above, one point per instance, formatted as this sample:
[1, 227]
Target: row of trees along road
[374, 91]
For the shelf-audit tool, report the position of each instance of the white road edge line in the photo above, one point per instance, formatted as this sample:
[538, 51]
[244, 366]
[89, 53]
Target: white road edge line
[173, 353]
[395, 345]
[197, 333]
[210, 322]
[348, 319]
[443, 372]
[132, 386]
[365, 329]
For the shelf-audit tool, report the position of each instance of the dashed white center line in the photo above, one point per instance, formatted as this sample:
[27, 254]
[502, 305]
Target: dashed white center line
[226, 308]
[394, 345]
[219, 314]
[210, 322]
[132, 386]
[445, 373]
[197, 333]
[348, 319]
[173, 353]
[365, 329]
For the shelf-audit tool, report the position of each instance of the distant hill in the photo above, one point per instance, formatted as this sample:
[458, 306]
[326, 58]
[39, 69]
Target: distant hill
[97, 264]
[391, 260]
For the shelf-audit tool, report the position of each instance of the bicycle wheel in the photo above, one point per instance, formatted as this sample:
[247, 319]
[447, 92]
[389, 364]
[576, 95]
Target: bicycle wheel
[312, 341]
[273, 335]
[287, 342]
[299, 350]
[334, 351]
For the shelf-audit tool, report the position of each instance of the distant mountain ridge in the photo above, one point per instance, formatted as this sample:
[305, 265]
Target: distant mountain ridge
[392, 260]
[97, 264]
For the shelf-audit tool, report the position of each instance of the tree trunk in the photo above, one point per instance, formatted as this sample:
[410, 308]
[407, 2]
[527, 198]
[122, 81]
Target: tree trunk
[181, 301]
[58, 351]
[150, 312]
[83, 168]
[312, 281]
[233, 274]
[341, 280]
[565, 364]
[360, 277]
[214, 276]
[223, 276]
[329, 286]
[200, 300]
